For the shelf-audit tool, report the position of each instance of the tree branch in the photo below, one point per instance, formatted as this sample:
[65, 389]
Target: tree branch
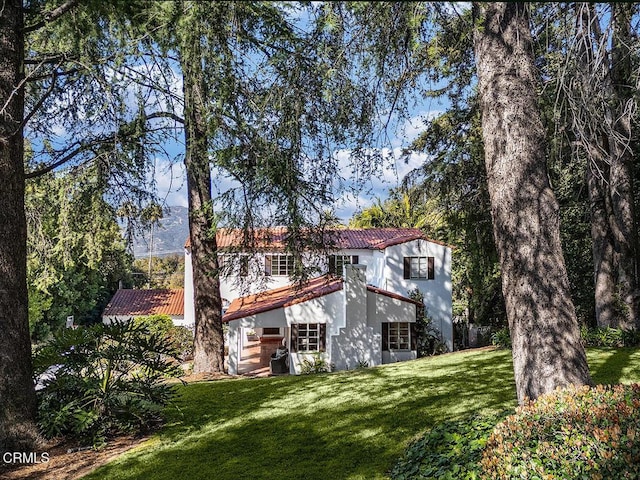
[88, 146]
[69, 156]
[52, 59]
[52, 15]
[39, 103]
[170, 115]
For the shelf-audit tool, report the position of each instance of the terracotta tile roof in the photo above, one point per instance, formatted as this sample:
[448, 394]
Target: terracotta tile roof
[343, 239]
[282, 297]
[397, 296]
[291, 295]
[146, 302]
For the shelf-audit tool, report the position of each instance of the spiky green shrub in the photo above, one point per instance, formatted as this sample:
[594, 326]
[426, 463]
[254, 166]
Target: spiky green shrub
[609, 337]
[578, 432]
[103, 380]
[501, 338]
[316, 364]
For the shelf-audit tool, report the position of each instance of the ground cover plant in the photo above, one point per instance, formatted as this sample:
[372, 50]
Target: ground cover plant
[346, 425]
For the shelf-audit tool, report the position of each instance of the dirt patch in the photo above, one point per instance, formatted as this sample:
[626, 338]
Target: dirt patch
[68, 460]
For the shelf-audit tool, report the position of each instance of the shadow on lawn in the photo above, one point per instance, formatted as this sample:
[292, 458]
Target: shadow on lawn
[617, 363]
[346, 425]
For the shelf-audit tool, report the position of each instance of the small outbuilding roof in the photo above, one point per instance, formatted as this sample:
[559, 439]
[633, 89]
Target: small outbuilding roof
[339, 238]
[146, 302]
[292, 295]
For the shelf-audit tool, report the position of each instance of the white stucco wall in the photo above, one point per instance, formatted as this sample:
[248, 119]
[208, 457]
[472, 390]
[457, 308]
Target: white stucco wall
[384, 309]
[437, 292]
[189, 299]
[356, 342]
[327, 309]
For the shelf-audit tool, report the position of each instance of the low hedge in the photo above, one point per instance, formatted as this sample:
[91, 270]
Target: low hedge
[591, 337]
[579, 432]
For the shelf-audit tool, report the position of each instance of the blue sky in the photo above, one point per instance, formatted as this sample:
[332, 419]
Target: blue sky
[171, 184]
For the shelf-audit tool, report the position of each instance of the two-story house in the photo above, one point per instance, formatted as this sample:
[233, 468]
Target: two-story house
[356, 311]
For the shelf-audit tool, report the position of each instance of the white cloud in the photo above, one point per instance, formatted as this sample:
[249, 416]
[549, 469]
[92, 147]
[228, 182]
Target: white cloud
[358, 193]
[170, 182]
[413, 127]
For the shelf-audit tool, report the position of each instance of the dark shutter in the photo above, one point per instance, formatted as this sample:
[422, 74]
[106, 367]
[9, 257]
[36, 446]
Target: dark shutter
[354, 259]
[294, 338]
[322, 343]
[385, 337]
[414, 335]
[332, 264]
[407, 267]
[431, 274]
[267, 264]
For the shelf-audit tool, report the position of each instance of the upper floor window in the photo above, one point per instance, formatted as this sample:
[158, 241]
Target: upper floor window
[337, 263]
[278, 265]
[419, 268]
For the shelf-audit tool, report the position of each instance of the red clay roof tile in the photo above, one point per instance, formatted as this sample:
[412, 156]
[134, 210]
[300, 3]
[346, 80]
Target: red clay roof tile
[343, 239]
[291, 295]
[282, 297]
[146, 302]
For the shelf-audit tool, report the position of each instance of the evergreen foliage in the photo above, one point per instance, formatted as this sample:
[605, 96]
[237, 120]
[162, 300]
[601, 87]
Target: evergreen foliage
[76, 253]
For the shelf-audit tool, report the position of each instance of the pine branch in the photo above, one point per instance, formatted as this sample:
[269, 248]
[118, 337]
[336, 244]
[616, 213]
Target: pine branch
[81, 147]
[52, 15]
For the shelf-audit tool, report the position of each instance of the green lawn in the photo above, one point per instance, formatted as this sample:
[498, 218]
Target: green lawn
[348, 425]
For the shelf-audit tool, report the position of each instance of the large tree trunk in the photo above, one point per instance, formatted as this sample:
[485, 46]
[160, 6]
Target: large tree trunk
[209, 340]
[17, 394]
[603, 251]
[547, 351]
[624, 227]
[587, 129]
[602, 110]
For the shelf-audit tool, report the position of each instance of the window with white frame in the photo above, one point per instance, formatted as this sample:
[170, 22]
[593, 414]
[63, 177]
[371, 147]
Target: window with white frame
[308, 337]
[399, 336]
[278, 265]
[419, 268]
[337, 263]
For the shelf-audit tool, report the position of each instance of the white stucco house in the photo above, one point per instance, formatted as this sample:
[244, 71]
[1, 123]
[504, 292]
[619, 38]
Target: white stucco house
[356, 310]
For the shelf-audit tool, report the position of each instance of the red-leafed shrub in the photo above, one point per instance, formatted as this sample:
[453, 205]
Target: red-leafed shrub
[572, 433]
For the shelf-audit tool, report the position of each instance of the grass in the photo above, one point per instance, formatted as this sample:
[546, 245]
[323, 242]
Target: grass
[348, 425]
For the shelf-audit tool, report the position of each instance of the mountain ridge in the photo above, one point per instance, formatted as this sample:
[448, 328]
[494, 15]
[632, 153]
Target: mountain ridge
[169, 236]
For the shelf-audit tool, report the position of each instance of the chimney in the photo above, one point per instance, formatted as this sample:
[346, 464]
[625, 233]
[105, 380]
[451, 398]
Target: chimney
[355, 291]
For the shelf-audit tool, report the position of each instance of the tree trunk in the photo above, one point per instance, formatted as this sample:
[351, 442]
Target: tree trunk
[587, 129]
[620, 172]
[547, 351]
[17, 394]
[208, 354]
[603, 251]
[604, 134]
